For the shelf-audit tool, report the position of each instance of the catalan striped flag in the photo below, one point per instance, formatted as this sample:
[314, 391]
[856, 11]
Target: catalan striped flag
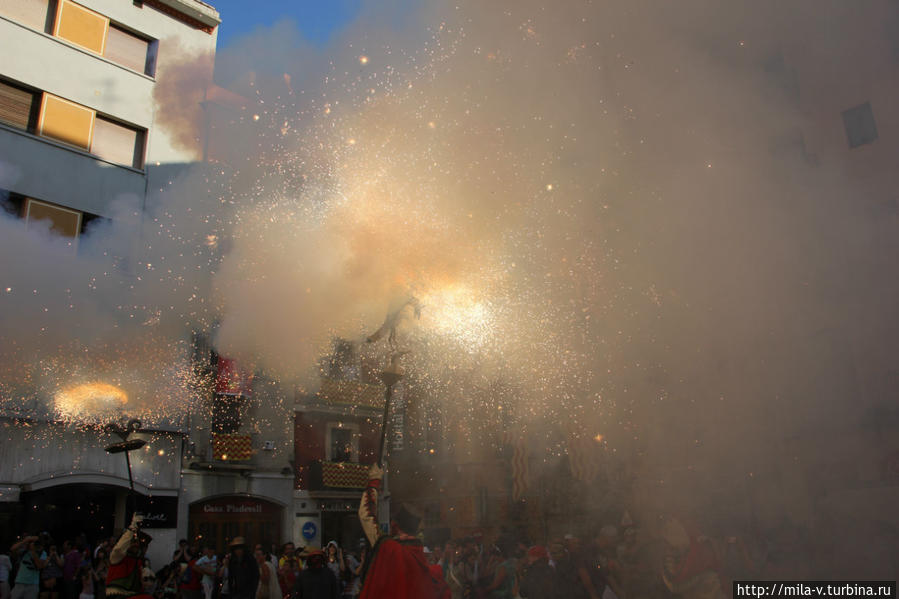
[584, 454]
[520, 468]
[520, 471]
[232, 448]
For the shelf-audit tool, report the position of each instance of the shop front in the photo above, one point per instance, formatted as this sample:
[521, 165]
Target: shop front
[217, 520]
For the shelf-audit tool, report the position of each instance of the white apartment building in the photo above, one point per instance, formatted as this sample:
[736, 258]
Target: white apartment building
[78, 131]
[77, 109]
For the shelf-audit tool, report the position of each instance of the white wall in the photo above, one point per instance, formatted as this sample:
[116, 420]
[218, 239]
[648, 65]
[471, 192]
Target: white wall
[44, 454]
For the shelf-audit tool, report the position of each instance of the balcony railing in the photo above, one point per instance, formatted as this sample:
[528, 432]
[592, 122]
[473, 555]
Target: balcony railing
[235, 447]
[351, 393]
[337, 476]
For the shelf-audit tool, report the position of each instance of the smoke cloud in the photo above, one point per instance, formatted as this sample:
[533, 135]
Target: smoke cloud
[642, 219]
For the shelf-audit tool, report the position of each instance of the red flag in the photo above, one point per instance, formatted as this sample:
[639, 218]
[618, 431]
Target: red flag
[231, 380]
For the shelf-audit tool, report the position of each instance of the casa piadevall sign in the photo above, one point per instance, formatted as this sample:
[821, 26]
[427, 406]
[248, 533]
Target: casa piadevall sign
[236, 506]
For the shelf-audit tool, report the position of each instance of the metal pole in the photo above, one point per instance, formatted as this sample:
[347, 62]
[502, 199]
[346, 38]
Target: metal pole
[131, 497]
[387, 395]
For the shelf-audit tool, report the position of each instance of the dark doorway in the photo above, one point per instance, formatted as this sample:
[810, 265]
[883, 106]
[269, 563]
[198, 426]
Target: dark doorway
[342, 527]
[71, 511]
[216, 521]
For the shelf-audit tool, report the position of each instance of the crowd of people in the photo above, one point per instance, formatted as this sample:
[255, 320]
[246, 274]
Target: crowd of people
[34, 568]
[621, 561]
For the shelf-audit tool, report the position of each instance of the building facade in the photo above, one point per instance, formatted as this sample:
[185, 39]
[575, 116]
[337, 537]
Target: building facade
[81, 129]
[336, 439]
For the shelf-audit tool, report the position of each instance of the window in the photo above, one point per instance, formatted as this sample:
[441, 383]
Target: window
[66, 121]
[226, 414]
[860, 126]
[81, 127]
[81, 26]
[18, 106]
[33, 13]
[343, 442]
[127, 49]
[117, 143]
[64, 221]
[93, 31]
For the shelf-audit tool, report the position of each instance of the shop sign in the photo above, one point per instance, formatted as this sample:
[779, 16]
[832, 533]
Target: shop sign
[235, 506]
[158, 511]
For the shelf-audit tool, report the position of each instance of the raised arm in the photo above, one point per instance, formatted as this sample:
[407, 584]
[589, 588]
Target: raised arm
[121, 547]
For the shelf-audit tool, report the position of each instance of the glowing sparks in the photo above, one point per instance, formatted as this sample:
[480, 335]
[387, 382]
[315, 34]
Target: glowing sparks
[598, 438]
[91, 400]
[363, 60]
[255, 117]
[458, 313]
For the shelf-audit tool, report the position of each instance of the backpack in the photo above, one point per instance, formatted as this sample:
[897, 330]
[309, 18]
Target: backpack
[188, 577]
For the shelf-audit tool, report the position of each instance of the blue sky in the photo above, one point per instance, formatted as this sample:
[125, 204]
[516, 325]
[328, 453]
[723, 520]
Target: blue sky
[317, 20]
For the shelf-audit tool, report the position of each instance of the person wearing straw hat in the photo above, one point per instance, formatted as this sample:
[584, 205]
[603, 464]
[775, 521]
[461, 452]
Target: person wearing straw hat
[243, 574]
[397, 568]
[316, 581]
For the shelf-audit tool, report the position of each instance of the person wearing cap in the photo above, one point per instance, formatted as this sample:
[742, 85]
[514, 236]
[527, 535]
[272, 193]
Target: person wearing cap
[243, 573]
[126, 561]
[397, 568]
[317, 581]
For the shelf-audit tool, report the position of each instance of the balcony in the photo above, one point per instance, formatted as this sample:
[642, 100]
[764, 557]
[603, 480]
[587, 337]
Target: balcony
[348, 393]
[226, 452]
[57, 173]
[337, 476]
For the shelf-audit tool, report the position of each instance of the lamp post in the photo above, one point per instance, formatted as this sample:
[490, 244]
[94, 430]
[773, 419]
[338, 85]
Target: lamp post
[126, 446]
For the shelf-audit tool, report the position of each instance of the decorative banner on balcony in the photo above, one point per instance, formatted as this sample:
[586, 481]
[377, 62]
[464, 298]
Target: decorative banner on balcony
[520, 472]
[352, 393]
[344, 475]
[584, 454]
[231, 380]
[398, 418]
[233, 448]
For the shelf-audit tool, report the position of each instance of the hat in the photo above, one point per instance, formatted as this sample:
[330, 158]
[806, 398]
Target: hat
[538, 552]
[310, 550]
[237, 542]
[407, 520]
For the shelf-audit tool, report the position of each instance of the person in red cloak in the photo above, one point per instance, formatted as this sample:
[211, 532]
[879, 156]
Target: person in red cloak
[690, 570]
[397, 567]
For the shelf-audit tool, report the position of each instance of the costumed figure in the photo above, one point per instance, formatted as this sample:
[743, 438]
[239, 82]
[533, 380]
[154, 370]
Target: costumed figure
[691, 566]
[397, 567]
[123, 579]
[316, 581]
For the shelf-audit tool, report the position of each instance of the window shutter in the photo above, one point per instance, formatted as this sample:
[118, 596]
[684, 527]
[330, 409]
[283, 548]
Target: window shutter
[66, 121]
[126, 49]
[64, 221]
[32, 13]
[15, 106]
[81, 26]
[114, 142]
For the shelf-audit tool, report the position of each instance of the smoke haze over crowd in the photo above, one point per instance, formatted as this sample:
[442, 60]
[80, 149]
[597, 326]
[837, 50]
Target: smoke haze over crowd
[634, 211]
